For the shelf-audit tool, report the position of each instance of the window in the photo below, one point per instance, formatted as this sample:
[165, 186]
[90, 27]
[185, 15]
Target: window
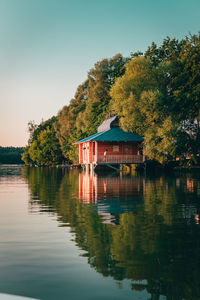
[116, 148]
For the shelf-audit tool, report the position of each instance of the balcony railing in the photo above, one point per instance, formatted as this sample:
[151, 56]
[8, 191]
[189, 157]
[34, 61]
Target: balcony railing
[121, 159]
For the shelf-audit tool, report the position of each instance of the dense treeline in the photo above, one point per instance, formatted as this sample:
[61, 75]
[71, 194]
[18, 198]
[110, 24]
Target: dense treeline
[155, 94]
[11, 155]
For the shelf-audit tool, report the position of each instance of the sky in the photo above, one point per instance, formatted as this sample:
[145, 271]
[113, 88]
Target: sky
[47, 48]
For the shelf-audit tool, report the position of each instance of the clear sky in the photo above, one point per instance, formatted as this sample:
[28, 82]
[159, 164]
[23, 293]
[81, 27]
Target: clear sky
[48, 46]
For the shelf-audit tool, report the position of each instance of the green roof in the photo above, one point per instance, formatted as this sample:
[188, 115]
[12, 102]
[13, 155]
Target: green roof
[115, 134]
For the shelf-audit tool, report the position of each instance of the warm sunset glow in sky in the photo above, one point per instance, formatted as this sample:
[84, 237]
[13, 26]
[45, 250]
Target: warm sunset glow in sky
[48, 46]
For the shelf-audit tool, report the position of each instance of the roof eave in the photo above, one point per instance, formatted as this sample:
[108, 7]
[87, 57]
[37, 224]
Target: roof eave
[89, 139]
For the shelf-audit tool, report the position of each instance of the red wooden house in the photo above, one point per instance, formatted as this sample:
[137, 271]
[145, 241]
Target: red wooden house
[111, 145]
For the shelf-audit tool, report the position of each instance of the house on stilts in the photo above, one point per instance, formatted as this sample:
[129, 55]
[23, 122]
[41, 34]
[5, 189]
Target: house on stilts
[110, 146]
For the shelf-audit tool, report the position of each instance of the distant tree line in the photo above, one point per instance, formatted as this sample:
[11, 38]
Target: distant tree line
[11, 155]
[155, 94]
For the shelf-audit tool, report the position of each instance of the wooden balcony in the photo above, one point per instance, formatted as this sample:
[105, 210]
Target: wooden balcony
[120, 159]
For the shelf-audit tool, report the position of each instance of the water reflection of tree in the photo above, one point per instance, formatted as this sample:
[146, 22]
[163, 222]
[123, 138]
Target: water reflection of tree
[156, 246]
[161, 246]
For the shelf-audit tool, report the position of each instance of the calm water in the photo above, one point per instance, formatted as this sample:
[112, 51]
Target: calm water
[70, 235]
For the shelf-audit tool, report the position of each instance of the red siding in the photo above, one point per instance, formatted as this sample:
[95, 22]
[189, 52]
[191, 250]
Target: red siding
[80, 153]
[124, 148]
[91, 153]
[113, 148]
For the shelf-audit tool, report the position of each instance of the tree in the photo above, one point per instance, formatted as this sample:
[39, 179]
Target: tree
[158, 97]
[100, 79]
[65, 126]
[44, 147]
[137, 98]
[32, 130]
[89, 106]
[127, 93]
[26, 156]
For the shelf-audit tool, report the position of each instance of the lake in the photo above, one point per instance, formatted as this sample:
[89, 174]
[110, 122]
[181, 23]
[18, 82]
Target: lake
[66, 234]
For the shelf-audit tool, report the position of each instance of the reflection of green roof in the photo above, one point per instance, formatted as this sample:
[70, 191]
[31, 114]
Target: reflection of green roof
[115, 134]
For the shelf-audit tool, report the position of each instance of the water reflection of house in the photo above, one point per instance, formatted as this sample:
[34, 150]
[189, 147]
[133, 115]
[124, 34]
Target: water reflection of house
[111, 195]
[190, 185]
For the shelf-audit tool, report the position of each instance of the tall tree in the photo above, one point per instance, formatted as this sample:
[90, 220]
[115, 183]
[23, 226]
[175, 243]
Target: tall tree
[140, 100]
[66, 129]
[100, 80]
[44, 147]
[89, 106]
[158, 96]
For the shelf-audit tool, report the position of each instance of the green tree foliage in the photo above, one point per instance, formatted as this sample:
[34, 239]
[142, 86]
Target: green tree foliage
[183, 88]
[45, 150]
[32, 131]
[158, 97]
[183, 60]
[66, 129]
[137, 98]
[101, 78]
[127, 94]
[26, 156]
[44, 147]
[90, 105]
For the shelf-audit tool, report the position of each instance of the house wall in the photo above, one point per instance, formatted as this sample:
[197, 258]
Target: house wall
[85, 153]
[118, 148]
[80, 153]
[87, 150]
[91, 152]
